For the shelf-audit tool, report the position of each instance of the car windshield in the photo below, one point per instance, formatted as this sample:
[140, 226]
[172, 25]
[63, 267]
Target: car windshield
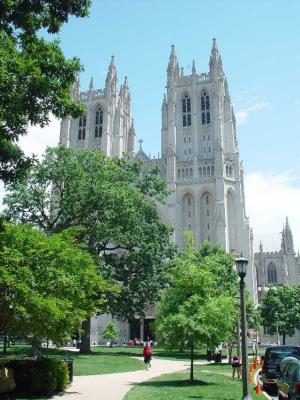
[278, 354]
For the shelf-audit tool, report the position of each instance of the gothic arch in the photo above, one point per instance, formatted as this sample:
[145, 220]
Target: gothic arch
[188, 212]
[272, 273]
[207, 216]
[98, 121]
[186, 109]
[231, 228]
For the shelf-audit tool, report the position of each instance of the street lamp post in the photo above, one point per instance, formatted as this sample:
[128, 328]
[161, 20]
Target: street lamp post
[238, 330]
[241, 266]
[277, 334]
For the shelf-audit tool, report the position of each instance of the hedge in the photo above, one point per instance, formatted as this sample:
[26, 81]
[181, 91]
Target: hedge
[39, 376]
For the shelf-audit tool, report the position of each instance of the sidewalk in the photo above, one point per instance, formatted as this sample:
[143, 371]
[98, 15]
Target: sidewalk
[115, 386]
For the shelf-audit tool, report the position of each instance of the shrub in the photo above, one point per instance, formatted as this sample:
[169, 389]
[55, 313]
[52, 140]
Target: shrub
[39, 377]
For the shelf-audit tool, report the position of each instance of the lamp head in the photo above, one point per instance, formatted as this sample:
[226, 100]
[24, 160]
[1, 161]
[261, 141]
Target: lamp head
[241, 266]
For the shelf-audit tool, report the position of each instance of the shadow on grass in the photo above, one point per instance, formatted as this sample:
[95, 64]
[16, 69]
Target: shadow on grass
[175, 383]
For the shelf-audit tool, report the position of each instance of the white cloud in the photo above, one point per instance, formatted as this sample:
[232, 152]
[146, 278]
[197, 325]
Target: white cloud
[243, 114]
[270, 197]
[35, 142]
[37, 139]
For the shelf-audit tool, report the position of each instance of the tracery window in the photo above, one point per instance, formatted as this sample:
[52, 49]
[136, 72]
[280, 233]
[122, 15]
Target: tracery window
[82, 127]
[205, 108]
[272, 273]
[99, 123]
[186, 111]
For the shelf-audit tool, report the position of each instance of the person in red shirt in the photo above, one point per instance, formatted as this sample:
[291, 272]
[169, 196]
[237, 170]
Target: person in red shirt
[147, 353]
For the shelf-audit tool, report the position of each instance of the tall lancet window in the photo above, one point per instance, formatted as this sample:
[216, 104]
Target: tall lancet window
[186, 111]
[82, 128]
[205, 108]
[272, 273]
[98, 123]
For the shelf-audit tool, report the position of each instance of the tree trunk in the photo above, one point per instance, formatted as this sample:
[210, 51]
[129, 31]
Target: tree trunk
[85, 344]
[230, 347]
[4, 344]
[192, 363]
[35, 350]
[283, 338]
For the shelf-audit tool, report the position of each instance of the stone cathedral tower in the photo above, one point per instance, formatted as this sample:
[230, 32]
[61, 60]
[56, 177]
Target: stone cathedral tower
[107, 125]
[200, 160]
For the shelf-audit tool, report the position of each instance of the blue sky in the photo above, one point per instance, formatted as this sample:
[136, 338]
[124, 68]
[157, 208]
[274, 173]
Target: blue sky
[259, 42]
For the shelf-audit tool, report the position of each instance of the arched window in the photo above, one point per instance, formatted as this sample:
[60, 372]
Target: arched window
[178, 173]
[99, 123]
[208, 171]
[82, 127]
[205, 108]
[272, 273]
[186, 111]
[200, 171]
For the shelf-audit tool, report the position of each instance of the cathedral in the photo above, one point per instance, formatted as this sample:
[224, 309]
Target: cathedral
[199, 160]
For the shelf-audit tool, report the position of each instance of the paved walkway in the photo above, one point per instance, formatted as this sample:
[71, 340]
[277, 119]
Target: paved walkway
[115, 386]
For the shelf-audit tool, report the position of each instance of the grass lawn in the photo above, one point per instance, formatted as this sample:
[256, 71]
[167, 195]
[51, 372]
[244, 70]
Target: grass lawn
[101, 360]
[212, 382]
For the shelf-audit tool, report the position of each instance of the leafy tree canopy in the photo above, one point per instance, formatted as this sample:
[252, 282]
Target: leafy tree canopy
[48, 284]
[111, 332]
[115, 203]
[285, 301]
[35, 76]
[197, 309]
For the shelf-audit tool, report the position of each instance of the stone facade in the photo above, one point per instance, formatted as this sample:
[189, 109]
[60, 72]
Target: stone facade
[276, 264]
[199, 153]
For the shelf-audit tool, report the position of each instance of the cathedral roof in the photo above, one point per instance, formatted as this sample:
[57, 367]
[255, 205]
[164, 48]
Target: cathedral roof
[271, 242]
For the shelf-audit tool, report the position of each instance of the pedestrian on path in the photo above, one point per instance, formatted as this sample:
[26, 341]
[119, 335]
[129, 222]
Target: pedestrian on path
[236, 367]
[147, 353]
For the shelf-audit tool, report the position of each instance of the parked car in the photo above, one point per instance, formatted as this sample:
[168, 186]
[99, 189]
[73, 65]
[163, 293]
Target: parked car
[272, 360]
[289, 382]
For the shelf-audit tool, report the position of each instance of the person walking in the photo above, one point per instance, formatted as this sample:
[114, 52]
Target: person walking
[147, 353]
[236, 367]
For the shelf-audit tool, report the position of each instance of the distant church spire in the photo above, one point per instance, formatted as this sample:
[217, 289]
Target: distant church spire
[91, 87]
[193, 68]
[287, 238]
[215, 62]
[173, 66]
[112, 76]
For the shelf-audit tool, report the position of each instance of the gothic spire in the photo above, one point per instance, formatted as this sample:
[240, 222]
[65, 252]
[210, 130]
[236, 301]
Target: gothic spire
[164, 103]
[112, 76]
[215, 62]
[287, 238]
[91, 87]
[194, 68]
[173, 66]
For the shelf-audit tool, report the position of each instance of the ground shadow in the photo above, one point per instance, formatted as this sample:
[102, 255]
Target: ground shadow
[176, 383]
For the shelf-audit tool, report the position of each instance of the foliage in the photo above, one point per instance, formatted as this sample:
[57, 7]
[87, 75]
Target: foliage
[35, 76]
[48, 284]
[285, 301]
[41, 376]
[198, 308]
[110, 199]
[111, 332]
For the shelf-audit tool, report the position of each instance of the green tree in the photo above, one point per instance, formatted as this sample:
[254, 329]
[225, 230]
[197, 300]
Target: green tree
[198, 309]
[48, 284]
[115, 203]
[285, 301]
[35, 76]
[111, 332]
